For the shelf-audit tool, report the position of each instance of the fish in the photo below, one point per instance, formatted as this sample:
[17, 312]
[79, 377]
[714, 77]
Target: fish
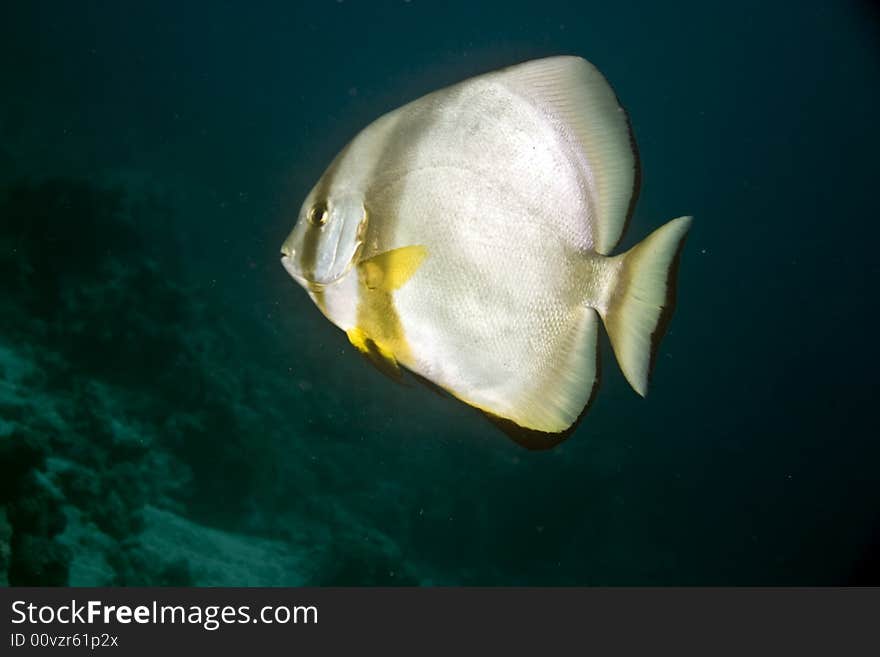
[467, 237]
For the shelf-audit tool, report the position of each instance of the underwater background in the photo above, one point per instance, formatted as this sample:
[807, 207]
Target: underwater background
[175, 410]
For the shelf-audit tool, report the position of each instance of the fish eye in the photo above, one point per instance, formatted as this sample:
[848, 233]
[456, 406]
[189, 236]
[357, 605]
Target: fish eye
[318, 215]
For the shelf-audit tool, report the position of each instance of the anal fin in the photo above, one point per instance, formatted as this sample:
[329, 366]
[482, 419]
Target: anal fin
[555, 403]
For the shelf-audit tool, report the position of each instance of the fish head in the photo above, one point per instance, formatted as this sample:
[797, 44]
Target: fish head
[326, 240]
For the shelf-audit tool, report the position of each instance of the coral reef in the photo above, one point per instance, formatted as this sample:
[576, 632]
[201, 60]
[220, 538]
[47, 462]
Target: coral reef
[110, 397]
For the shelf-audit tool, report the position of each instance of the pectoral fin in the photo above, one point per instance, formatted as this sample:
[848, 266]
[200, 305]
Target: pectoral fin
[379, 333]
[390, 270]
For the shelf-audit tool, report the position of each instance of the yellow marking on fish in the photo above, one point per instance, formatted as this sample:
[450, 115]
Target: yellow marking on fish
[359, 339]
[379, 332]
[382, 359]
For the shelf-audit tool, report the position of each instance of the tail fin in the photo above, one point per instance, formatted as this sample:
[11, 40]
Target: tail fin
[642, 300]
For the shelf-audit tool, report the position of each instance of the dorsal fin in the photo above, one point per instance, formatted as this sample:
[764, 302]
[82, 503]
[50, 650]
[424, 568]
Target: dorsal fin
[582, 103]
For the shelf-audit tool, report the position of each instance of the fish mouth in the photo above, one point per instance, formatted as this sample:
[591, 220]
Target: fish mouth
[288, 264]
[311, 284]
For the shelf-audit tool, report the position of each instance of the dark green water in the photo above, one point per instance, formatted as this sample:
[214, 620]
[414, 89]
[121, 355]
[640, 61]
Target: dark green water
[173, 409]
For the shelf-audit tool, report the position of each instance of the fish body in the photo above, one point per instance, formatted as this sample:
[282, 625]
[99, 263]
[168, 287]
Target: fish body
[467, 236]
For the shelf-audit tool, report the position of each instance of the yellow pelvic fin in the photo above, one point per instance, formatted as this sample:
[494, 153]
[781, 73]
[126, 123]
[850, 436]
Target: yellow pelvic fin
[359, 339]
[381, 357]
